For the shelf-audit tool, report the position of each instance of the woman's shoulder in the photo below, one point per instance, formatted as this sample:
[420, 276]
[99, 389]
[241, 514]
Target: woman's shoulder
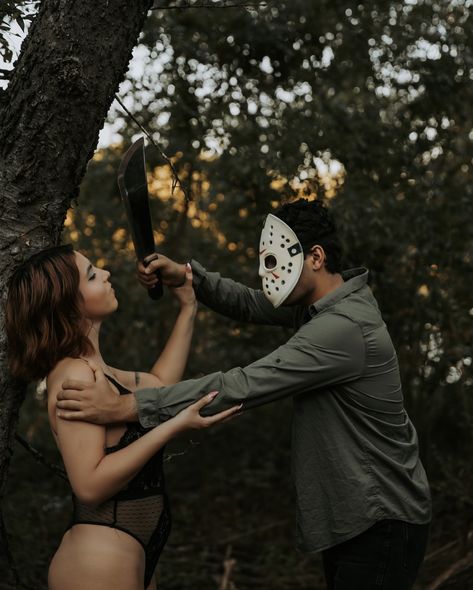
[68, 368]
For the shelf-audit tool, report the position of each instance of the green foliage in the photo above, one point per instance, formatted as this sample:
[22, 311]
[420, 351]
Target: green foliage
[11, 11]
[384, 89]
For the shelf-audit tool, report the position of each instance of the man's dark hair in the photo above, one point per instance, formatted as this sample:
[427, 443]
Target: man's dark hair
[313, 224]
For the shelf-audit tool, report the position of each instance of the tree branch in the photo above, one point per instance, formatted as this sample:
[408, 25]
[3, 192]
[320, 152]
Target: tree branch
[39, 457]
[211, 5]
[176, 181]
[459, 568]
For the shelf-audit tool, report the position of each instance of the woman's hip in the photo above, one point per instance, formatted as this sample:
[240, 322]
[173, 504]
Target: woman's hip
[97, 557]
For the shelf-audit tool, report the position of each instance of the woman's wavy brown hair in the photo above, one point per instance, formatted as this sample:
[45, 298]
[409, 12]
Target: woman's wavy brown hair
[43, 314]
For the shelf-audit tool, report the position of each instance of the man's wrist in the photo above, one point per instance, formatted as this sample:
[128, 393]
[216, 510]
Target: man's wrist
[127, 409]
[182, 269]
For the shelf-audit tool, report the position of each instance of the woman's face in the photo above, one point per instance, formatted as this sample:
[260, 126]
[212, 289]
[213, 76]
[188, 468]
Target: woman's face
[95, 288]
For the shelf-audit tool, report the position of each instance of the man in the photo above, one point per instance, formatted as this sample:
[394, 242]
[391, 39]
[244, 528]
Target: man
[362, 495]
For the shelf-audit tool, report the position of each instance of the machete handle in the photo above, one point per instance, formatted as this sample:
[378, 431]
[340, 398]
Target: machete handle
[156, 291]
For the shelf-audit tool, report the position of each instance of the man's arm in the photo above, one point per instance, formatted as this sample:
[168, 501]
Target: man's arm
[328, 350]
[225, 296]
[237, 301]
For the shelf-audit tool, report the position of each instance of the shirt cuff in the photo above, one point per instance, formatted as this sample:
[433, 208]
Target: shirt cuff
[198, 273]
[147, 406]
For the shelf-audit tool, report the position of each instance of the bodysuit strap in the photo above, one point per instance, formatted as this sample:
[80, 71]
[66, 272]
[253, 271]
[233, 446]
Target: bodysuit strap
[121, 388]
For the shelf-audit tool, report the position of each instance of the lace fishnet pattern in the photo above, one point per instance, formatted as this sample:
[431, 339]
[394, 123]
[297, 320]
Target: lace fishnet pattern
[141, 509]
[139, 516]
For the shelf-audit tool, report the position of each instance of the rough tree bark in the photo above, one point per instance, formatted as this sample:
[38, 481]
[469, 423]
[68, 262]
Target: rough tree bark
[70, 66]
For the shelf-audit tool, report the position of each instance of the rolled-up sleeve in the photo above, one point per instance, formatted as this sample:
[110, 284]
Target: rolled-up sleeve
[327, 350]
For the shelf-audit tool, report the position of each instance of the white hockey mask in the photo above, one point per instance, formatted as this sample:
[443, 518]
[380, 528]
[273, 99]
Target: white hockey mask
[281, 259]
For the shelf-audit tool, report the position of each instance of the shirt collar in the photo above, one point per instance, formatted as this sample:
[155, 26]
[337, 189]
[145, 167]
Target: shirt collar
[355, 278]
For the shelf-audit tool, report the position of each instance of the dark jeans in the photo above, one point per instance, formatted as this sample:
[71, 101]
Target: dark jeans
[385, 557]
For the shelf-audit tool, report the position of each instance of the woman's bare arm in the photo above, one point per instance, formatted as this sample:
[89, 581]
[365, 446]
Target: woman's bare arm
[169, 367]
[95, 476]
[136, 379]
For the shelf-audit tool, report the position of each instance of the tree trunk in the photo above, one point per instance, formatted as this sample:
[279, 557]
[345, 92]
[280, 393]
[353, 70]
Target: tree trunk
[71, 63]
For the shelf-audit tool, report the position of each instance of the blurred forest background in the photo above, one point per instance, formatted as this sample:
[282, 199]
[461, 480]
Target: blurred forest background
[365, 104]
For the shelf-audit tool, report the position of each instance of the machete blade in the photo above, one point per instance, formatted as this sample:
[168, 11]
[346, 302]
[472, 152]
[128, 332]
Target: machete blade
[133, 186]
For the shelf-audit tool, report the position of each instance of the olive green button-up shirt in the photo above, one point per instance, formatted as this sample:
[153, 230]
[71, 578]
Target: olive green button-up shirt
[355, 457]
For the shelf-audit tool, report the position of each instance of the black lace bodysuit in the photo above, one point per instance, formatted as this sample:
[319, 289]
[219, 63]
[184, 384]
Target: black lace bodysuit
[140, 509]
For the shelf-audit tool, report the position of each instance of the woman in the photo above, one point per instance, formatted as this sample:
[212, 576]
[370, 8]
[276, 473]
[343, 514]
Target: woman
[56, 303]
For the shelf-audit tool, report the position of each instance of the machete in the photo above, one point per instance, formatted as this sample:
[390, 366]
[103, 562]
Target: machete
[133, 187]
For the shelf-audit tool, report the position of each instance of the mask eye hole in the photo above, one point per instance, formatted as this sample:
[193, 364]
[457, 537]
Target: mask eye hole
[270, 262]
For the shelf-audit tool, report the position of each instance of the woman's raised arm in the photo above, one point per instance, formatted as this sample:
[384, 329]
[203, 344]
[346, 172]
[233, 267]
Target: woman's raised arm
[170, 365]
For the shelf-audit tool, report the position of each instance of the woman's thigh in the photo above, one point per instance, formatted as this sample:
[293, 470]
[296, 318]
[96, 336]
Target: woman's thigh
[92, 557]
[385, 557]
